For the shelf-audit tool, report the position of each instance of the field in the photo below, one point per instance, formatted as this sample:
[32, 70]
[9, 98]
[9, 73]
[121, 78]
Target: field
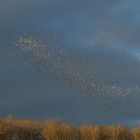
[27, 129]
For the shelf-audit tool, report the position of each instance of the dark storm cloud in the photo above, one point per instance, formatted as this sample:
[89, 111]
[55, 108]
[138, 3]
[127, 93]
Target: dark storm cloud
[120, 28]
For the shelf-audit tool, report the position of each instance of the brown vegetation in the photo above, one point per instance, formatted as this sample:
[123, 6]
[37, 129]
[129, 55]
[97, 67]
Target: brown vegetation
[14, 129]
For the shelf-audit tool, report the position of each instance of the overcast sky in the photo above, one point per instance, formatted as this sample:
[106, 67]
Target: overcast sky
[99, 33]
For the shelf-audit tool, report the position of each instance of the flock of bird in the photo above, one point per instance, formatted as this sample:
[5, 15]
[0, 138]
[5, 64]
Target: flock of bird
[67, 69]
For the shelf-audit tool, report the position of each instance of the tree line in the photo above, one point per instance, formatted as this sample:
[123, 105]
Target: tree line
[27, 129]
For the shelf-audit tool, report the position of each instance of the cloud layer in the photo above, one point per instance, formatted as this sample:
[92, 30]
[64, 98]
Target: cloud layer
[94, 46]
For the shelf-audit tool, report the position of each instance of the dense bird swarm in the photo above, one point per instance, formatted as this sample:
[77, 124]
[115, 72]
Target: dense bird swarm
[84, 78]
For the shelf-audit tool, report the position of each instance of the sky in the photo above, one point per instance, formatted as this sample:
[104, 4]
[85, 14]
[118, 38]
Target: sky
[76, 61]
